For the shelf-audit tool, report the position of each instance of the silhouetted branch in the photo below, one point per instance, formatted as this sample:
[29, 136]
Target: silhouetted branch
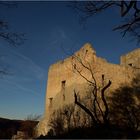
[4, 71]
[95, 101]
[12, 38]
[128, 9]
[84, 76]
[125, 8]
[128, 27]
[86, 67]
[105, 117]
[84, 108]
[97, 109]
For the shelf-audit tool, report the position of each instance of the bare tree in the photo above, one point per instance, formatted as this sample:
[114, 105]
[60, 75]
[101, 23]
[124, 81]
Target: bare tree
[98, 113]
[129, 11]
[12, 37]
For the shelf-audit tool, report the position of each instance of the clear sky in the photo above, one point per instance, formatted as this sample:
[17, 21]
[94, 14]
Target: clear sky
[51, 28]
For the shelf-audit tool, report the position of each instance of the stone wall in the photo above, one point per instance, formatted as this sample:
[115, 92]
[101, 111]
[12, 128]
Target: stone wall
[131, 59]
[63, 78]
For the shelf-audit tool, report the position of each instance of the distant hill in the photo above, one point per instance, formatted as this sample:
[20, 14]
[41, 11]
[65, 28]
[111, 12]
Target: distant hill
[9, 127]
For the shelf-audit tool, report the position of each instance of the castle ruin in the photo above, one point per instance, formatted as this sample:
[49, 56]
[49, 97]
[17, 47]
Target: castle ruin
[63, 78]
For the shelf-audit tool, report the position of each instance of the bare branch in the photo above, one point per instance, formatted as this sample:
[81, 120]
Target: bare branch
[84, 108]
[128, 9]
[104, 101]
[84, 76]
[86, 67]
[95, 100]
[13, 38]
[3, 72]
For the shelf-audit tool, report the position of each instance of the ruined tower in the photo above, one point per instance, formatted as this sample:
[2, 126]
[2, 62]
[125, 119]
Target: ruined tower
[63, 80]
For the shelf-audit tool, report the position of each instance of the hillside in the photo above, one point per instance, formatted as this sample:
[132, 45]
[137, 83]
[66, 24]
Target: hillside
[9, 127]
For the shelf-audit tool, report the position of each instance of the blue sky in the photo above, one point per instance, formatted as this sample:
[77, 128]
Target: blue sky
[51, 28]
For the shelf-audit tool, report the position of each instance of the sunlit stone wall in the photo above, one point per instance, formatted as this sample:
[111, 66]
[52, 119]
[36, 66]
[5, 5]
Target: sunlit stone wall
[131, 59]
[63, 78]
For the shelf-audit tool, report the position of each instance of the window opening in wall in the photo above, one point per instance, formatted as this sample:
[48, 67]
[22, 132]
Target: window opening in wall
[74, 66]
[130, 64]
[63, 84]
[63, 97]
[103, 78]
[63, 89]
[51, 99]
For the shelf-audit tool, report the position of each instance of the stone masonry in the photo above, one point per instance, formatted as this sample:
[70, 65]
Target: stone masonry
[63, 80]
